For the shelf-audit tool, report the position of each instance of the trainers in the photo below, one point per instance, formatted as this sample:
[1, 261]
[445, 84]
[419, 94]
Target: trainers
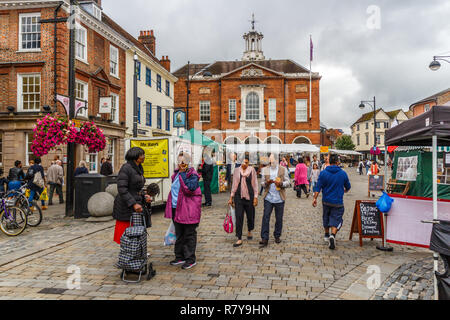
[326, 238]
[332, 242]
[188, 265]
[177, 262]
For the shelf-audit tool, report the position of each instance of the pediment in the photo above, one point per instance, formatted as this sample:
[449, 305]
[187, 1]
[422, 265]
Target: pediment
[252, 70]
[100, 74]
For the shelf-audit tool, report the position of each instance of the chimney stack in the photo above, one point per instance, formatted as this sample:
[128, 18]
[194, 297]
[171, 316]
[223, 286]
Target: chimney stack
[165, 62]
[147, 38]
[99, 2]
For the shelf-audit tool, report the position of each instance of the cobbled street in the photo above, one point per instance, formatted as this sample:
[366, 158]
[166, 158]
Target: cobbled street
[35, 264]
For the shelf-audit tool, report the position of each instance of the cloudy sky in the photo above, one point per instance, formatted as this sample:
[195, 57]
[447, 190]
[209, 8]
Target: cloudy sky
[358, 55]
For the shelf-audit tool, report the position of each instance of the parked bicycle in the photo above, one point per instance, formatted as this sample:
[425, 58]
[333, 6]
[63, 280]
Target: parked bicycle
[13, 220]
[20, 200]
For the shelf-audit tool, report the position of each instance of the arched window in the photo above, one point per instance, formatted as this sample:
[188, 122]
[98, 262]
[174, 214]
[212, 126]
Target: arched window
[252, 106]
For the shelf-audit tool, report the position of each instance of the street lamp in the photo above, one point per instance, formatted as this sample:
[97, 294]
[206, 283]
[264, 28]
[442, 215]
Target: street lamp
[372, 103]
[435, 64]
[135, 97]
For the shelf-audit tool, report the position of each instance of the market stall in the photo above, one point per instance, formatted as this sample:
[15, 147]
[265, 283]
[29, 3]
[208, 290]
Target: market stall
[404, 222]
[195, 137]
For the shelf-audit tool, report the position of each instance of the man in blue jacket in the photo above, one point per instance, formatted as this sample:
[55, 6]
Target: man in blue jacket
[333, 182]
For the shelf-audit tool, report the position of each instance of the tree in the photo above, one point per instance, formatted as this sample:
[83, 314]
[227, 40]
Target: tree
[345, 143]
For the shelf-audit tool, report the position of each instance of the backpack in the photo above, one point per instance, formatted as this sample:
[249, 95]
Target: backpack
[38, 181]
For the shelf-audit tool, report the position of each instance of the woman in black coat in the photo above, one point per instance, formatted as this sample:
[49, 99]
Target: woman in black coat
[130, 182]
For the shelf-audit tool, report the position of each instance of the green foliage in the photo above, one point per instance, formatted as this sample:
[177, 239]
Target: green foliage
[345, 143]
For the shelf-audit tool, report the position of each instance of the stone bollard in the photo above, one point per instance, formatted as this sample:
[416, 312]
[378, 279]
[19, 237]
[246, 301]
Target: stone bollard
[100, 207]
[112, 190]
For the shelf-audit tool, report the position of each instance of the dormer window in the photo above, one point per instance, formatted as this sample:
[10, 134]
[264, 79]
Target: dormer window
[92, 8]
[97, 12]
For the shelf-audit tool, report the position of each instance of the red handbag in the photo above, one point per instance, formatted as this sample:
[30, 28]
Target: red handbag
[228, 224]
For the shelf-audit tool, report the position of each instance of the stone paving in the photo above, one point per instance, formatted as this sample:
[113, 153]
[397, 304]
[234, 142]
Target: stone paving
[412, 280]
[300, 267]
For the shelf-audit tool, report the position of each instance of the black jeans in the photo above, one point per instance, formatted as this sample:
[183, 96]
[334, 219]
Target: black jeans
[207, 191]
[186, 242]
[242, 205]
[279, 210]
[58, 191]
[299, 189]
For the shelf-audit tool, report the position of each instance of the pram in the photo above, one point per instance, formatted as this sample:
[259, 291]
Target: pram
[133, 250]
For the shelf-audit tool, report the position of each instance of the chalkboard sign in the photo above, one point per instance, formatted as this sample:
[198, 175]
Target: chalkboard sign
[376, 183]
[367, 221]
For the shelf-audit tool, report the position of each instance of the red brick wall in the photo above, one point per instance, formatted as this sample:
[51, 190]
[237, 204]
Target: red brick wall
[274, 89]
[98, 57]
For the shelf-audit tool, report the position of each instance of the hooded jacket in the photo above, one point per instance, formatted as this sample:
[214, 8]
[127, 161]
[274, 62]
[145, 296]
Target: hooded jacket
[189, 203]
[333, 181]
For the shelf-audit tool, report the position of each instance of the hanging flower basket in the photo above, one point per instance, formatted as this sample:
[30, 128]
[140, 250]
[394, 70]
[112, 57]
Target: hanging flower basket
[54, 130]
[375, 151]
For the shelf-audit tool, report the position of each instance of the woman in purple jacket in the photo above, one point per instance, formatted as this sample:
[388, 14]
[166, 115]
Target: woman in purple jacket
[184, 207]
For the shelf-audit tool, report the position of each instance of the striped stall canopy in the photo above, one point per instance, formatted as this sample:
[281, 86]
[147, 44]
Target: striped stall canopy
[443, 149]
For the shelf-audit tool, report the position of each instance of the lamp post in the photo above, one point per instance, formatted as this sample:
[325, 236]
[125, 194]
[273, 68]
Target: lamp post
[135, 96]
[372, 103]
[71, 115]
[435, 64]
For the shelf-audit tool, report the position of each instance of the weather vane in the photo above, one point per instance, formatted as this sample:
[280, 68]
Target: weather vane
[253, 21]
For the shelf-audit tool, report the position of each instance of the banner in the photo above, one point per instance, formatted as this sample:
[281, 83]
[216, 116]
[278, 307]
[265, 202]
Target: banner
[324, 149]
[156, 164]
[403, 224]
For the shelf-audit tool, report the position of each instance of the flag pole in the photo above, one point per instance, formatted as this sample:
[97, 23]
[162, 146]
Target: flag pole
[310, 76]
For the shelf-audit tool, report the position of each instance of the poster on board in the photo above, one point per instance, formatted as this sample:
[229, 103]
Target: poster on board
[156, 164]
[407, 168]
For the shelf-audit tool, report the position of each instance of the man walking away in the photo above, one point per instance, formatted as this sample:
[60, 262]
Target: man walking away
[55, 176]
[275, 181]
[106, 168]
[333, 182]
[207, 174]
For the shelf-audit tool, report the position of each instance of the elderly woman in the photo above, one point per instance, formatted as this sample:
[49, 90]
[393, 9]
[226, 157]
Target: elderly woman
[301, 178]
[130, 182]
[82, 169]
[184, 207]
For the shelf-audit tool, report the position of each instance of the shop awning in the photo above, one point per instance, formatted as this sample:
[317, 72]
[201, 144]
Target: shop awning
[419, 130]
[346, 152]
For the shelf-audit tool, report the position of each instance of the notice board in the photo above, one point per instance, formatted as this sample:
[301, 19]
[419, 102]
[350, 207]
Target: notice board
[156, 164]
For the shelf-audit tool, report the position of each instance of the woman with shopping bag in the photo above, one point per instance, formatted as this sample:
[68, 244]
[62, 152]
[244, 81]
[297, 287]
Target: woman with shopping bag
[244, 197]
[184, 207]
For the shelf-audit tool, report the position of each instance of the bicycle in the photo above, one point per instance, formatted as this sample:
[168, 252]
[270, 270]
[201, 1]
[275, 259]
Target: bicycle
[13, 220]
[34, 217]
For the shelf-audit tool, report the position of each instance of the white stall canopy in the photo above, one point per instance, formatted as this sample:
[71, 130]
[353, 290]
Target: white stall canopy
[277, 148]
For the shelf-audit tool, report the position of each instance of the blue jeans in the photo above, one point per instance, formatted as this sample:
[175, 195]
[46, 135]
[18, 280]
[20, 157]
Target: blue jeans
[32, 195]
[279, 210]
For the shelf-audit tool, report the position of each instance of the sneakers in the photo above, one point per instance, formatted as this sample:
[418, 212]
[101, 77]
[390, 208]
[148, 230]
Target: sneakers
[332, 242]
[326, 238]
[188, 265]
[177, 262]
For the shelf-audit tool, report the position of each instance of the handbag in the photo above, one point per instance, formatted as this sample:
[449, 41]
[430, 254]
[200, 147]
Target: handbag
[228, 223]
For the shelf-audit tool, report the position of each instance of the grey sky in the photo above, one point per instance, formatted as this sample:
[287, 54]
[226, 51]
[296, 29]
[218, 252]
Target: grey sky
[355, 62]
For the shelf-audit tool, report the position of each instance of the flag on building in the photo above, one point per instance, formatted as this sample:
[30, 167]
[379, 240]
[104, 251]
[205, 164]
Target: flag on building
[311, 46]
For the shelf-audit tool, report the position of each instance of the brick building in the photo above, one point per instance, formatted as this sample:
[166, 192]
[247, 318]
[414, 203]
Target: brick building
[34, 67]
[253, 100]
[424, 105]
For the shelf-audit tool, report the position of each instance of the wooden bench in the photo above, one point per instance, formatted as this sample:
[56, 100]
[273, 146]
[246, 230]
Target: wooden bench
[394, 187]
